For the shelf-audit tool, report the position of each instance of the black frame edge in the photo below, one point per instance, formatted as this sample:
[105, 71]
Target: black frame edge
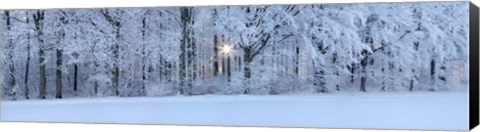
[474, 66]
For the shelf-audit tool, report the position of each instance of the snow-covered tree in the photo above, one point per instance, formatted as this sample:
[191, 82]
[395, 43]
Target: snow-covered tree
[251, 28]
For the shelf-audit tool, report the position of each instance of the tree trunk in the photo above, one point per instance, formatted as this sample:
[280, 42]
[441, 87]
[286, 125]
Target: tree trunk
[411, 85]
[229, 73]
[353, 73]
[363, 79]
[115, 50]
[11, 65]
[38, 19]
[58, 94]
[192, 57]
[336, 84]
[144, 55]
[215, 55]
[246, 69]
[144, 78]
[116, 69]
[239, 63]
[27, 65]
[362, 83]
[187, 55]
[297, 61]
[432, 74]
[215, 45]
[164, 67]
[319, 79]
[161, 69]
[383, 81]
[95, 88]
[334, 60]
[183, 58]
[75, 78]
[43, 80]
[169, 71]
[27, 68]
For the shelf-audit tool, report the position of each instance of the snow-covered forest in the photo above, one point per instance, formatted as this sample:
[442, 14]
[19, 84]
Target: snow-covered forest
[231, 50]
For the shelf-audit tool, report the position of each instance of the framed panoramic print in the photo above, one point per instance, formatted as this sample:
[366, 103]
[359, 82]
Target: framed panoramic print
[411, 65]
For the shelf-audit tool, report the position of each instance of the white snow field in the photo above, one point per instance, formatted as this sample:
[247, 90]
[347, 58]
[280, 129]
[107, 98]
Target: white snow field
[419, 110]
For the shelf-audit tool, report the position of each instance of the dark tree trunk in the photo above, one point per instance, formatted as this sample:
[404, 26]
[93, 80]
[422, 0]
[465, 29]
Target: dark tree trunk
[11, 64]
[183, 55]
[215, 55]
[188, 48]
[319, 79]
[337, 85]
[215, 45]
[43, 80]
[144, 55]
[297, 61]
[353, 73]
[383, 80]
[115, 22]
[432, 74]
[95, 88]
[116, 69]
[411, 85]
[412, 81]
[229, 73]
[58, 94]
[362, 84]
[239, 63]
[75, 78]
[144, 79]
[432, 69]
[223, 66]
[162, 63]
[246, 70]
[38, 20]
[192, 55]
[27, 67]
[59, 60]
[363, 79]
[334, 60]
[168, 71]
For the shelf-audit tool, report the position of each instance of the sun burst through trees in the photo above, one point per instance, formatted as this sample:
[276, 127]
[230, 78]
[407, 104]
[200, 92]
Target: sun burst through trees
[226, 49]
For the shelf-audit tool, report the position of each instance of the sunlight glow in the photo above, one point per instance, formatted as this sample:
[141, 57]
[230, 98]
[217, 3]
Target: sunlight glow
[226, 49]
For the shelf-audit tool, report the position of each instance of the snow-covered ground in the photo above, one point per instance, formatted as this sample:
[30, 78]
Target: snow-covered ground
[419, 110]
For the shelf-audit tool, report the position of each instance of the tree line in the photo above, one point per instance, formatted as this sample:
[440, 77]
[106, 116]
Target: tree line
[258, 49]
